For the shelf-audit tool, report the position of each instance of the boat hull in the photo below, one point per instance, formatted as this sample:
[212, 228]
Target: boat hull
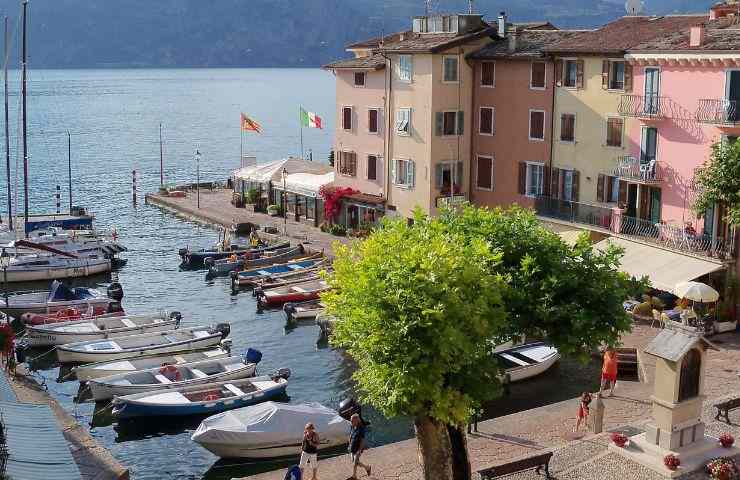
[100, 306]
[243, 449]
[56, 273]
[278, 299]
[47, 338]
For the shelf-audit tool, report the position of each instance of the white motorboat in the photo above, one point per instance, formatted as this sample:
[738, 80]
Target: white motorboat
[61, 297]
[73, 241]
[170, 377]
[90, 371]
[270, 430]
[36, 262]
[309, 310]
[100, 328]
[527, 361]
[181, 340]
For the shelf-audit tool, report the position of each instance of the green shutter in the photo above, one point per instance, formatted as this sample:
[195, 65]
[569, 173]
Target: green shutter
[410, 173]
[439, 122]
[460, 122]
[393, 172]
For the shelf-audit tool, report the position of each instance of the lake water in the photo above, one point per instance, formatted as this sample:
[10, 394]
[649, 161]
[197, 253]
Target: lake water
[113, 117]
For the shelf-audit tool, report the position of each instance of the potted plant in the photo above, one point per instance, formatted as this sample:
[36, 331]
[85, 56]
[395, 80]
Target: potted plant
[722, 468]
[273, 210]
[726, 440]
[671, 461]
[619, 439]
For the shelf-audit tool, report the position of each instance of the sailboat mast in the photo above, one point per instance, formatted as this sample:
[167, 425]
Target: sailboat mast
[69, 168]
[161, 159]
[25, 123]
[7, 121]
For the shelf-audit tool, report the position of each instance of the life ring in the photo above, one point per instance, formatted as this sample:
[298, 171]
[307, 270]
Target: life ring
[171, 373]
[211, 397]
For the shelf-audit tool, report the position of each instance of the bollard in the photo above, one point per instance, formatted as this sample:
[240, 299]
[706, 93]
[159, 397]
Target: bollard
[133, 190]
[57, 197]
[597, 415]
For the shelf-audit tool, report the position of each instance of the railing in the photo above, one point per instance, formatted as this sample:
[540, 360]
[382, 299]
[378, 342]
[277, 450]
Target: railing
[664, 235]
[629, 167]
[643, 106]
[718, 111]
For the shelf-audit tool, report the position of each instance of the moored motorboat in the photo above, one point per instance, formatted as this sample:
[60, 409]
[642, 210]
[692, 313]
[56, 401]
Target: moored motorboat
[303, 310]
[527, 360]
[174, 376]
[52, 264]
[270, 257]
[61, 297]
[241, 277]
[67, 315]
[196, 259]
[181, 340]
[263, 278]
[99, 328]
[90, 371]
[270, 430]
[202, 399]
[263, 287]
[299, 292]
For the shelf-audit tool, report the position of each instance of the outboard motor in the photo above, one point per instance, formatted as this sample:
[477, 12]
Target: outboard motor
[226, 345]
[257, 292]
[281, 373]
[252, 356]
[183, 251]
[114, 307]
[224, 328]
[20, 352]
[115, 291]
[177, 316]
[209, 261]
[289, 309]
[349, 407]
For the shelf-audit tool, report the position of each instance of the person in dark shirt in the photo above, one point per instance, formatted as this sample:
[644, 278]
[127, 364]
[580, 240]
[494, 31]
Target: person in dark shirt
[357, 444]
[309, 451]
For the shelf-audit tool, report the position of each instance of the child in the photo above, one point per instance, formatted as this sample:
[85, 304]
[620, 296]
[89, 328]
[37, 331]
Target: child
[583, 411]
[609, 371]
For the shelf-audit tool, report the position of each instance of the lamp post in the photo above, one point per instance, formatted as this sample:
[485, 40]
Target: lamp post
[197, 174]
[285, 200]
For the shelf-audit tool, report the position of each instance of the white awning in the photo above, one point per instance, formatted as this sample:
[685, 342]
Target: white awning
[259, 173]
[664, 268]
[306, 184]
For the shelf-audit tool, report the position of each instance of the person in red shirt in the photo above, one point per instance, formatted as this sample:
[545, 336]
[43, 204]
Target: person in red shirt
[583, 411]
[609, 371]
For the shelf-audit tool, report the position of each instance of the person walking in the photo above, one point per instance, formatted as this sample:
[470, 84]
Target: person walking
[357, 444]
[609, 371]
[309, 451]
[583, 411]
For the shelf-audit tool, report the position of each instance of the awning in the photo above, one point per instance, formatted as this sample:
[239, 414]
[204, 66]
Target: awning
[664, 268]
[306, 184]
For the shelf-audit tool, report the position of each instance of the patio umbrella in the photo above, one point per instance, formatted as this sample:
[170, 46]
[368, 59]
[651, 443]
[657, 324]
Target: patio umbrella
[696, 291]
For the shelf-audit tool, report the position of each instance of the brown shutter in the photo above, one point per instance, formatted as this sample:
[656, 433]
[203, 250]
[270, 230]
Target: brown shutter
[622, 192]
[579, 74]
[546, 181]
[554, 182]
[559, 73]
[522, 178]
[609, 188]
[600, 188]
[576, 181]
[627, 77]
[605, 74]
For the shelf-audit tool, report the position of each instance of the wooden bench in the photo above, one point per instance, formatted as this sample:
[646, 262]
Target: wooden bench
[724, 408]
[535, 462]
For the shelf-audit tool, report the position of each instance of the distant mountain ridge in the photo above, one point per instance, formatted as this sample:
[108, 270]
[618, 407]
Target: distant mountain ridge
[257, 33]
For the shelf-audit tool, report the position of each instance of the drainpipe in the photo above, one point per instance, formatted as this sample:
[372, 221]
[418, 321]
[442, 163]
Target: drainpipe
[472, 161]
[552, 123]
[387, 136]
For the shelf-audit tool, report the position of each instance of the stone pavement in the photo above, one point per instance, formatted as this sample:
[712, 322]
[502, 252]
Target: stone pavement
[502, 439]
[216, 208]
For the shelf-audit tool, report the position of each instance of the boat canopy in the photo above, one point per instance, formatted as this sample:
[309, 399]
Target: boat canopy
[59, 292]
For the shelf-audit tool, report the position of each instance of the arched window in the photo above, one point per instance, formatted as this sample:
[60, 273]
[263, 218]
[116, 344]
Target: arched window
[690, 375]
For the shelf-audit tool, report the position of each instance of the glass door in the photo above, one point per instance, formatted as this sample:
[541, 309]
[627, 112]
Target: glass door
[652, 90]
[732, 92]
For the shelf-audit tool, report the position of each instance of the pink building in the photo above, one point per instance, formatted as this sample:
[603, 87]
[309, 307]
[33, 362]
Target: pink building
[686, 91]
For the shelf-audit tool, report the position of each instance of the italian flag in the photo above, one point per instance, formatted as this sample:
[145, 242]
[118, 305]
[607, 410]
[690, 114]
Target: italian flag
[310, 119]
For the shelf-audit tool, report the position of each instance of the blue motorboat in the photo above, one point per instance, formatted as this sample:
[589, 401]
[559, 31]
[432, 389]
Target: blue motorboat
[196, 259]
[204, 399]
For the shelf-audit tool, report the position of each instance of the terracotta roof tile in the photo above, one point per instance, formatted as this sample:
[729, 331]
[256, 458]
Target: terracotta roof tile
[721, 35]
[625, 33]
[431, 42]
[370, 62]
[529, 44]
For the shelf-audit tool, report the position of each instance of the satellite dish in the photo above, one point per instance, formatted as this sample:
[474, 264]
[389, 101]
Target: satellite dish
[634, 7]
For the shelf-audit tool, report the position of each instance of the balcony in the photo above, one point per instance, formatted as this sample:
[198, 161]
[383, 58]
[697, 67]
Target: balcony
[632, 169]
[718, 111]
[650, 107]
[610, 220]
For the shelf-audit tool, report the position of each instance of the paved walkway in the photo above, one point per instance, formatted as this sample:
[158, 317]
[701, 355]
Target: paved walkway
[216, 208]
[502, 439]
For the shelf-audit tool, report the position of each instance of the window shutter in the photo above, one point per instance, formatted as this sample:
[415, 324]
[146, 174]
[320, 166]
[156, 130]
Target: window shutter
[460, 122]
[605, 74]
[600, 188]
[458, 180]
[554, 182]
[627, 77]
[579, 74]
[608, 188]
[559, 73]
[574, 188]
[622, 193]
[546, 180]
[438, 175]
[393, 172]
[411, 173]
[438, 123]
[522, 178]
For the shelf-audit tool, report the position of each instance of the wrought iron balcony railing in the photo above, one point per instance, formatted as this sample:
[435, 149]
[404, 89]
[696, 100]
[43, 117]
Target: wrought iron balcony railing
[631, 168]
[643, 106]
[671, 236]
[718, 111]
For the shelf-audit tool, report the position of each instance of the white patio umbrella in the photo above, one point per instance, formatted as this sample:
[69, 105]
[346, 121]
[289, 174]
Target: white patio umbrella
[696, 291]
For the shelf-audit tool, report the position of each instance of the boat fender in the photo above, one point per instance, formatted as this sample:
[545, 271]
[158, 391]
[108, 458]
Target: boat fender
[283, 373]
[115, 291]
[171, 373]
[293, 473]
[226, 345]
[224, 328]
[252, 356]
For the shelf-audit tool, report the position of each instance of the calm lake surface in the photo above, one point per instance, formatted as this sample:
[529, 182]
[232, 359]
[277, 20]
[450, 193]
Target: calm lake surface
[113, 117]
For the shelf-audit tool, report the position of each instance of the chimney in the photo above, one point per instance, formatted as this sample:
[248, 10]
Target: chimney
[512, 40]
[696, 36]
[502, 25]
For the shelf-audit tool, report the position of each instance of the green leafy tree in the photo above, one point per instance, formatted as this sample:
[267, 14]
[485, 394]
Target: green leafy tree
[419, 307]
[718, 181]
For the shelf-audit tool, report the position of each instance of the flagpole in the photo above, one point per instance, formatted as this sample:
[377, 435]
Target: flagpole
[300, 122]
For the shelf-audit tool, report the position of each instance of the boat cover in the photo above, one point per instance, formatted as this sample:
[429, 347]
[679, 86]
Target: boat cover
[59, 292]
[270, 423]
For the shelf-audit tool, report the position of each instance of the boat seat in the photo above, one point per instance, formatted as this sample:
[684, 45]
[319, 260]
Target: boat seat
[162, 379]
[128, 322]
[514, 359]
[201, 333]
[197, 373]
[233, 389]
[296, 267]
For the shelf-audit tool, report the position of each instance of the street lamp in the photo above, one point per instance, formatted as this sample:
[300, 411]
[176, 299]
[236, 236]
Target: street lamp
[285, 200]
[197, 170]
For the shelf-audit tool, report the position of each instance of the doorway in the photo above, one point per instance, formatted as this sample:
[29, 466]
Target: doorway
[732, 92]
[632, 200]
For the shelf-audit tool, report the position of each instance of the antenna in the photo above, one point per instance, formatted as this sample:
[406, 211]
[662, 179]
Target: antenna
[634, 7]
[470, 7]
[427, 7]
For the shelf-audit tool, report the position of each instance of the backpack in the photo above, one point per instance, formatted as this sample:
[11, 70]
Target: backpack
[293, 473]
